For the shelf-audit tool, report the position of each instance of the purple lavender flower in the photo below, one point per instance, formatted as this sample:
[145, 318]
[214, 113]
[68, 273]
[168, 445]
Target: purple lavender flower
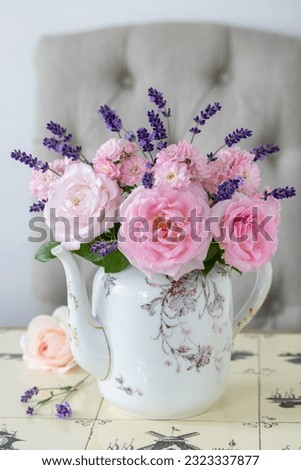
[63, 410]
[147, 180]
[57, 129]
[52, 144]
[156, 97]
[103, 248]
[149, 165]
[161, 145]
[111, 119]
[211, 157]
[28, 394]
[29, 410]
[130, 136]
[145, 140]
[29, 160]
[206, 114]
[73, 153]
[262, 151]
[281, 193]
[38, 206]
[236, 136]
[159, 131]
[227, 189]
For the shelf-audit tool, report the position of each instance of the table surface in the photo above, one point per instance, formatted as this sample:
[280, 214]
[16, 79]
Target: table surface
[261, 408]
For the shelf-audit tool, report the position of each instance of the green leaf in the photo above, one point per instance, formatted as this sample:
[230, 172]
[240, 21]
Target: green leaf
[209, 264]
[214, 255]
[115, 262]
[44, 252]
[84, 252]
[213, 250]
[112, 263]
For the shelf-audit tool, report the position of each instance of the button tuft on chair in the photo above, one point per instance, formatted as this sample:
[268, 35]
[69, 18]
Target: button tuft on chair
[126, 80]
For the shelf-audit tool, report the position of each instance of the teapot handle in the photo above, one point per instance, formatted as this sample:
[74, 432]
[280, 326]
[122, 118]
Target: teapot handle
[257, 297]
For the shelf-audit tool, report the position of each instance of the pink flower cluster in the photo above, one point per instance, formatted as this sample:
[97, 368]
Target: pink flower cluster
[167, 226]
[120, 162]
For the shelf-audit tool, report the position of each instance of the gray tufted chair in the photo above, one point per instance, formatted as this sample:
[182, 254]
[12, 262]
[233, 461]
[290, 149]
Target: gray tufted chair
[255, 75]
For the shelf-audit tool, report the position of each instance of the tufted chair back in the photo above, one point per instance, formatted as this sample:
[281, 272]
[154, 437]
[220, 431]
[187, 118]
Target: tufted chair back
[256, 76]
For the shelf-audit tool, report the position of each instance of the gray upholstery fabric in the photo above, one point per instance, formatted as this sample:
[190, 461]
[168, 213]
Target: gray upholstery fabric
[255, 75]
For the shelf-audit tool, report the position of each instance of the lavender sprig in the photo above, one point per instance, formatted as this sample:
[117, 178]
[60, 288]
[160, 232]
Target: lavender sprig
[111, 119]
[159, 131]
[262, 151]
[29, 160]
[236, 136]
[103, 248]
[156, 97]
[281, 193]
[147, 180]
[62, 144]
[130, 136]
[28, 394]
[58, 130]
[63, 410]
[38, 206]
[73, 153]
[145, 140]
[201, 119]
[227, 189]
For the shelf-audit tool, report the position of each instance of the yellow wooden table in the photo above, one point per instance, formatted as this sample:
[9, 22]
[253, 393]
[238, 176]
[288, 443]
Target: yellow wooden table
[261, 408]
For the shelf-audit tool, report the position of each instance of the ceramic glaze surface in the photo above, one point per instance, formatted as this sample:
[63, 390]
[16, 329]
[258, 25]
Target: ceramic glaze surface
[160, 348]
[171, 341]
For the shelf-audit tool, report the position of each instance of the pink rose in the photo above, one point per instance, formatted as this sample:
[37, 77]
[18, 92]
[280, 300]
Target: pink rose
[45, 344]
[40, 182]
[172, 239]
[132, 170]
[111, 149]
[247, 229]
[179, 155]
[231, 163]
[82, 200]
[173, 173]
[104, 166]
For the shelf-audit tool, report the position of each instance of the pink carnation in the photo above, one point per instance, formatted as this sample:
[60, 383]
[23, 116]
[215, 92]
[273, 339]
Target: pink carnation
[45, 344]
[173, 173]
[82, 200]
[104, 166]
[247, 229]
[163, 229]
[111, 149]
[132, 170]
[182, 153]
[231, 163]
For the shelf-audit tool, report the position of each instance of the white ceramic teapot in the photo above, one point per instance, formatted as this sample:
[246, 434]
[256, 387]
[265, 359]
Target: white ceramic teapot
[160, 348]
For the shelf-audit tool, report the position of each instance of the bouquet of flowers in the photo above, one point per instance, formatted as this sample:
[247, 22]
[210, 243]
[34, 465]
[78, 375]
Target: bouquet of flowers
[162, 206]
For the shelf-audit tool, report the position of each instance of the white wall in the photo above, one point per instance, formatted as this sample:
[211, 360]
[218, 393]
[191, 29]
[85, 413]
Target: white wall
[22, 23]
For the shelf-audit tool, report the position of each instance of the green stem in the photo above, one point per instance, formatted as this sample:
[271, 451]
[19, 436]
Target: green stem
[85, 160]
[55, 172]
[220, 148]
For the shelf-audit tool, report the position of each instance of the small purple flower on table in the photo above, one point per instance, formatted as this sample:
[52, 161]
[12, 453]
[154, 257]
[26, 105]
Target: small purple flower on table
[28, 394]
[63, 410]
[30, 410]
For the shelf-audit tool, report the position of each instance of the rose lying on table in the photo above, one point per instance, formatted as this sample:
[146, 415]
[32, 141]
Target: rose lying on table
[46, 348]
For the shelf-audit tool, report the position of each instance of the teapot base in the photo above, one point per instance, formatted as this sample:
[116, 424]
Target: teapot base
[152, 411]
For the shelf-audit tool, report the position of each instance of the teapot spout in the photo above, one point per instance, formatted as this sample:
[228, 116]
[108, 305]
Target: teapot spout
[88, 341]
